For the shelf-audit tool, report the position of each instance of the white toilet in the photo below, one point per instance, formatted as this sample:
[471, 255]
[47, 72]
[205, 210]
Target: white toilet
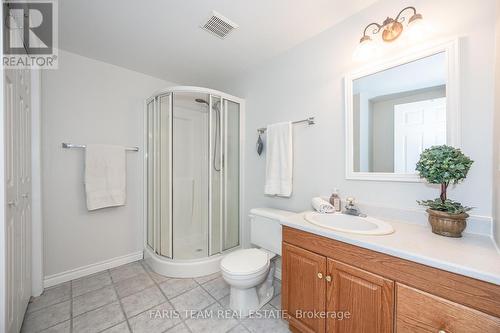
[250, 272]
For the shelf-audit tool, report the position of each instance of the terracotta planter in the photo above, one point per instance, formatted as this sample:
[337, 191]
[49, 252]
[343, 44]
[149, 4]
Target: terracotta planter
[445, 224]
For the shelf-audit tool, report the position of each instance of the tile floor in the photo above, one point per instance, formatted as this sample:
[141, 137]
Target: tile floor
[132, 298]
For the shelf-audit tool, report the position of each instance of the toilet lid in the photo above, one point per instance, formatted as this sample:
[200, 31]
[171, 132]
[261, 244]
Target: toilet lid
[246, 261]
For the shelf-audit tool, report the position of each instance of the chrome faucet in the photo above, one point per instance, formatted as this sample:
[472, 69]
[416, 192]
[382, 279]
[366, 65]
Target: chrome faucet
[351, 209]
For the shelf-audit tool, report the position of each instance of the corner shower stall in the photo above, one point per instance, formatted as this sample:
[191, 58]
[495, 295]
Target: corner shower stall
[192, 179]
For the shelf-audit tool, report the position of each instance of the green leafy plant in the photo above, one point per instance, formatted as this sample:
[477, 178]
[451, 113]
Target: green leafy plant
[444, 165]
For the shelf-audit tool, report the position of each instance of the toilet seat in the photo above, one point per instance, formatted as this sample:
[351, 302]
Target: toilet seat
[245, 262]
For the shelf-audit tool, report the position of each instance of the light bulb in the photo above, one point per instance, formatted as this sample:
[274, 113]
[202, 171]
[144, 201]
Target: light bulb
[366, 48]
[417, 28]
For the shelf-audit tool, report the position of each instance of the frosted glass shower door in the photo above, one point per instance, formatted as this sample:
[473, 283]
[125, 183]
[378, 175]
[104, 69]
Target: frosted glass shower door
[158, 148]
[190, 175]
[231, 144]
[224, 175]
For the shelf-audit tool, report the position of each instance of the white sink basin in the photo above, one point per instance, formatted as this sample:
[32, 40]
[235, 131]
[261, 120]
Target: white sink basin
[348, 223]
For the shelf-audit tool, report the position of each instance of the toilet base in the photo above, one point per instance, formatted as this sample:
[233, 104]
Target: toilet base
[245, 301]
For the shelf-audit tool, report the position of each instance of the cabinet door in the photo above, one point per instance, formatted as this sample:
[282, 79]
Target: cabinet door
[304, 289]
[367, 297]
[418, 311]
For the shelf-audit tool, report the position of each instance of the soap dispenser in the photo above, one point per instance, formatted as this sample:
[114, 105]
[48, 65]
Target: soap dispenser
[335, 200]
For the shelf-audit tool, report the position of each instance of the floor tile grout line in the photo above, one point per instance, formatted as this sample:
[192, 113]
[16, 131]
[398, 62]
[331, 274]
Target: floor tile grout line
[89, 291]
[157, 284]
[47, 306]
[121, 322]
[62, 300]
[120, 303]
[215, 277]
[52, 326]
[100, 306]
[71, 296]
[238, 319]
[71, 306]
[128, 278]
[181, 323]
[211, 304]
[143, 264]
[217, 301]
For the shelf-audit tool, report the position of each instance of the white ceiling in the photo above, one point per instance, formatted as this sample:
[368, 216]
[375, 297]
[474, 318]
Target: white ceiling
[162, 38]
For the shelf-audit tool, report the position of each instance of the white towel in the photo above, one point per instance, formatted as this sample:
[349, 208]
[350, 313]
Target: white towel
[322, 206]
[105, 176]
[279, 159]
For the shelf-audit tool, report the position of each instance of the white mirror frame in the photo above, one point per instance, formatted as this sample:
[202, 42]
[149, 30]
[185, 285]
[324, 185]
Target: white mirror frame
[453, 113]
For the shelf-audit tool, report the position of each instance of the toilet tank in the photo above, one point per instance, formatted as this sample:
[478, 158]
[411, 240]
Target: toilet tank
[265, 228]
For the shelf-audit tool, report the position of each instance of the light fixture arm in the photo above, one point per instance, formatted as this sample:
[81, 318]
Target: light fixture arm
[375, 31]
[402, 10]
[399, 18]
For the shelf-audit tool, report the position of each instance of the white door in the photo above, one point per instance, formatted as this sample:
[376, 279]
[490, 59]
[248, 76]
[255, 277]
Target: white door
[417, 126]
[18, 195]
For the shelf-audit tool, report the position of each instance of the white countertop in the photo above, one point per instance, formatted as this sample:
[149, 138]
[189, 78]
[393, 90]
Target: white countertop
[472, 255]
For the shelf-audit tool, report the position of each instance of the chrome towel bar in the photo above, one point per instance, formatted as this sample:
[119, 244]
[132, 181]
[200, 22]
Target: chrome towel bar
[72, 145]
[309, 121]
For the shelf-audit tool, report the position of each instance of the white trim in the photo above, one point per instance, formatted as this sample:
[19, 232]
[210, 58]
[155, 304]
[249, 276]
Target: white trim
[453, 118]
[202, 90]
[36, 186]
[277, 273]
[3, 245]
[79, 272]
[243, 223]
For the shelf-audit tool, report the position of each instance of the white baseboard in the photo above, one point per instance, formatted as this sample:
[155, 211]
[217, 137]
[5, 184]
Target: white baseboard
[277, 273]
[79, 272]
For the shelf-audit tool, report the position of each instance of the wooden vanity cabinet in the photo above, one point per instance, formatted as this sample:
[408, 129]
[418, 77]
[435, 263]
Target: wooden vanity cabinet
[369, 299]
[324, 278]
[305, 289]
[418, 311]
[317, 290]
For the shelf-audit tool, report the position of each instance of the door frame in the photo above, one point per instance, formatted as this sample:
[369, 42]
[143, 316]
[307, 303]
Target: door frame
[37, 253]
[3, 272]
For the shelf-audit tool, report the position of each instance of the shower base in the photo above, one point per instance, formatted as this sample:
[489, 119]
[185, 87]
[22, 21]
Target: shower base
[183, 268]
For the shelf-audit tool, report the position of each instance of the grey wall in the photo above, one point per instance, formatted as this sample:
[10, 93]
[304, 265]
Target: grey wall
[496, 126]
[308, 81]
[88, 101]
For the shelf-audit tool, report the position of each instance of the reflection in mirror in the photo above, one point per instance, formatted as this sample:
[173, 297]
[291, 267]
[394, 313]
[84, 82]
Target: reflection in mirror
[397, 113]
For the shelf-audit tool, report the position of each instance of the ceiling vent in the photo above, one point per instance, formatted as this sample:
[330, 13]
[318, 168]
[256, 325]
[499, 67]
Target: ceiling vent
[219, 25]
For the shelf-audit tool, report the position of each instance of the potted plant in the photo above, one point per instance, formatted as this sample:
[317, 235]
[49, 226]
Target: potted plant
[445, 165]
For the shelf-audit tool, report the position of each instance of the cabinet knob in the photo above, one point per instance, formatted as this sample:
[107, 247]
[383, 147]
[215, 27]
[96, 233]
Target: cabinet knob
[442, 331]
[320, 275]
[328, 278]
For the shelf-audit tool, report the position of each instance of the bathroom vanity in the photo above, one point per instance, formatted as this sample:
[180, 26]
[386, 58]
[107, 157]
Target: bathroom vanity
[332, 285]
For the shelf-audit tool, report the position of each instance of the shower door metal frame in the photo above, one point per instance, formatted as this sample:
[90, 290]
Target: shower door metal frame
[223, 114]
[210, 174]
[157, 246]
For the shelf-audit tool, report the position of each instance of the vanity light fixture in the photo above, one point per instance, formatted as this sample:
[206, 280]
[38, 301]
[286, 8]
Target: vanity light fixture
[391, 30]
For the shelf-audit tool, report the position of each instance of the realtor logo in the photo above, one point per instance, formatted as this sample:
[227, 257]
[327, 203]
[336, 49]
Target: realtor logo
[30, 34]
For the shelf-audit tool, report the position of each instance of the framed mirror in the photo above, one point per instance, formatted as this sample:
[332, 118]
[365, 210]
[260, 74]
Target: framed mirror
[398, 108]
